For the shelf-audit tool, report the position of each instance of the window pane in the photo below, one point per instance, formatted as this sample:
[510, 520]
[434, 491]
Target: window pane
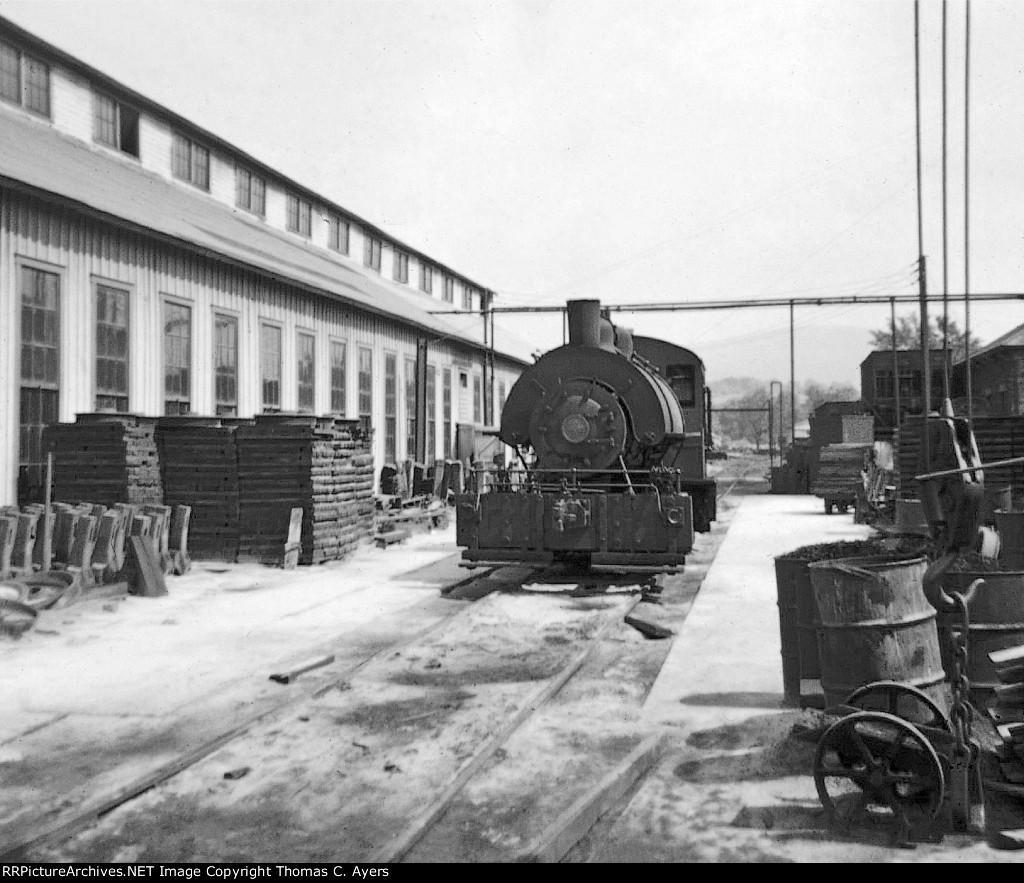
[306, 371]
[104, 120]
[390, 407]
[180, 164]
[338, 377]
[111, 349]
[128, 121]
[477, 400]
[446, 409]
[410, 408]
[426, 279]
[431, 392]
[258, 202]
[37, 86]
[270, 365]
[242, 185]
[365, 382]
[10, 73]
[225, 360]
[177, 358]
[201, 167]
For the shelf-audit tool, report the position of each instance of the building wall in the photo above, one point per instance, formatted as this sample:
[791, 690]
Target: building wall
[84, 252]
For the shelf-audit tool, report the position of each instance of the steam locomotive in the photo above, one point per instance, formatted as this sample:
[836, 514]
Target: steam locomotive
[609, 432]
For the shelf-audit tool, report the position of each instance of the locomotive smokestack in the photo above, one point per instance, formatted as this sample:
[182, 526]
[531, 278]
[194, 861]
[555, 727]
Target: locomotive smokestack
[584, 322]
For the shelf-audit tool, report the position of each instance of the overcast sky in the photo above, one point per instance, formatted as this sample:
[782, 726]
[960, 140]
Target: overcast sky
[629, 151]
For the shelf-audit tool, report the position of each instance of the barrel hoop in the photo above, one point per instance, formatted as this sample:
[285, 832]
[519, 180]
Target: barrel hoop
[922, 683]
[880, 623]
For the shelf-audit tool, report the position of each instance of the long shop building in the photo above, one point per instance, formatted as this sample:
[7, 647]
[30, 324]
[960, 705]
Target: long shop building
[148, 267]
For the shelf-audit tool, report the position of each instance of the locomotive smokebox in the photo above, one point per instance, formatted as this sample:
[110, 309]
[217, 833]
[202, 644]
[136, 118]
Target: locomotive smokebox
[584, 322]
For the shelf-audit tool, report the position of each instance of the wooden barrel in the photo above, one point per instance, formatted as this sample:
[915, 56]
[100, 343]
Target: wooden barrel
[1010, 526]
[996, 622]
[876, 624]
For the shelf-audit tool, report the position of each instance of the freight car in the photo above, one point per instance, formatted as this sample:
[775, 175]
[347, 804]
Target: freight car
[608, 470]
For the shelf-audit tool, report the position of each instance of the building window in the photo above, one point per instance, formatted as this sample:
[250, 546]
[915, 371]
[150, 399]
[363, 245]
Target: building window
[307, 371]
[366, 382]
[24, 80]
[431, 392]
[338, 377]
[337, 234]
[40, 376]
[270, 366]
[390, 408]
[883, 385]
[300, 215]
[111, 349]
[190, 162]
[371, 253]
[449, 289]
[401, 266]
[426, 278]
[115, 124]
[467, 297]
[478, 411]
[681, 379]
[501, 396]
[225, 365]
[250, 192]
[410, 408]
[446, 411]
[177, 358]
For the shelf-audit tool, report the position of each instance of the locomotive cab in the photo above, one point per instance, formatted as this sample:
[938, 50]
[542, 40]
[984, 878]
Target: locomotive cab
[600, 436]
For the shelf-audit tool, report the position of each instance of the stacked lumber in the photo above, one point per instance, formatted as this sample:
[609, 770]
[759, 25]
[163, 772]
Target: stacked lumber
[106, 458]
[1007, 712]
[839, 470]
[198, 461]
[321, 465]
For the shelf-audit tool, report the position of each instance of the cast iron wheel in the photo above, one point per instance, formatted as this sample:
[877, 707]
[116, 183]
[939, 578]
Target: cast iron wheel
[828, 508]
[901, 700]
[873, 769]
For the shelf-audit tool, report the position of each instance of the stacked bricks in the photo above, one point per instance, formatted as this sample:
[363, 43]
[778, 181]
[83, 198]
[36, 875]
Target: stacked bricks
[106, 458]
[198, 460]
[321, 465]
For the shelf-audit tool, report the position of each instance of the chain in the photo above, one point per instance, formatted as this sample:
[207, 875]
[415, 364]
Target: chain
[962, 712]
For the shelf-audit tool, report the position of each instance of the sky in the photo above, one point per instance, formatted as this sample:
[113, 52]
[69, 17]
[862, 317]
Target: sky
[632, 151]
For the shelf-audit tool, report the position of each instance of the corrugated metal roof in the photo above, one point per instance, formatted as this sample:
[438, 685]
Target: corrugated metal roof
[34, 154]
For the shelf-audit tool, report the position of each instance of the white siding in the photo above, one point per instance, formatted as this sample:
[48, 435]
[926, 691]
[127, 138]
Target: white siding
[83, 251]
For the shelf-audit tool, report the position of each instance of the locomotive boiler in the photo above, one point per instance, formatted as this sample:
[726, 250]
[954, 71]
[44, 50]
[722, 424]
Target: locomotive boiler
[606, 471]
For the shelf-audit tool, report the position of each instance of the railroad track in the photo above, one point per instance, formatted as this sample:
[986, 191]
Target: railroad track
[472, 687]
[423, 716]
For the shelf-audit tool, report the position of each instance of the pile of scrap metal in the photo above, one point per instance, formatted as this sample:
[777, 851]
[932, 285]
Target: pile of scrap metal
[81, 551]
[414, 496]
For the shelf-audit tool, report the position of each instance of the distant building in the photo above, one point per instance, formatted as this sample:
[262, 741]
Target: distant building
[148, 266]
[997, 377]
[878, 388]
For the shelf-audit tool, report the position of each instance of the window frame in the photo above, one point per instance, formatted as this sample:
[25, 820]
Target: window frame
[248, 204]
[467, 297]
[426, 279]
[331, 344]
[166, 301]
[24, 60]
[449, 289]
[265, 408]
[368, 374]
[218, 404]
[373, 249]
[400, 266]
[302, 336]
[390, 407]
[194, 150]
[302, 225]
[335, 224]
[410, 407]
[125, 289]
[118, 128]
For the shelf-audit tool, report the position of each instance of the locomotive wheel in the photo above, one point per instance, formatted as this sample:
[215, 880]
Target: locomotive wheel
[828, 507]
[874, 769]
[902, 700]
